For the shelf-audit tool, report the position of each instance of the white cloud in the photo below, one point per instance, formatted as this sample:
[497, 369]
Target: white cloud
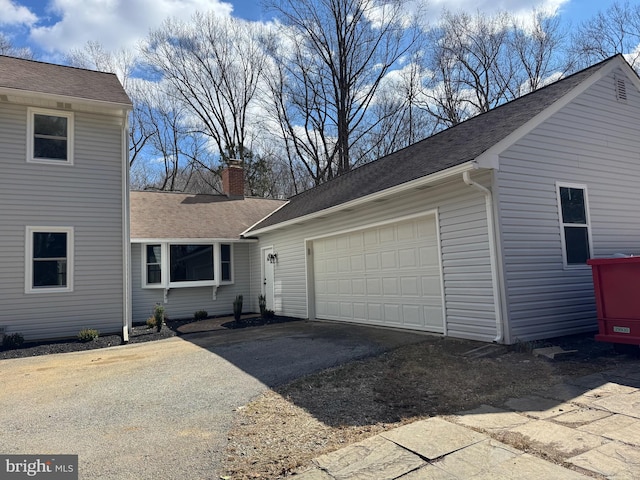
[114, 24]
[520, 8]
[13, 14]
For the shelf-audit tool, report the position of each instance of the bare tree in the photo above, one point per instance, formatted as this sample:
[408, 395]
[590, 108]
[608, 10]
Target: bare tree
[122, 63]
[7, 48]
[616, 30]
[215, 65]
[331, 57]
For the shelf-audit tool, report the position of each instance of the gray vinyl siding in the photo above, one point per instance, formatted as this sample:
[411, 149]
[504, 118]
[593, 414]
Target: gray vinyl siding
[86, 196]
[184, 302]
[595, 141]
[465, 252]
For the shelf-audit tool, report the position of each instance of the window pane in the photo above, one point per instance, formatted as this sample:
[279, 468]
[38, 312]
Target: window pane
[225, 253]
[50, 125]
[50, 273]
[190, 263]
[226, 271]
[154, 254]
[49, 148]
[577, 245]
[154, 274]
[573, 208]
[49, 245]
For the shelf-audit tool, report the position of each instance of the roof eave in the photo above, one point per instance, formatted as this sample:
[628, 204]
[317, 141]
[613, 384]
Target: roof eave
[417, 183]
[192, 240]
[126, 107]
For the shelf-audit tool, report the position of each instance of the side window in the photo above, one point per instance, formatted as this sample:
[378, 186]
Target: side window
[225, 263]
[49, 259]
[50, 137]
[574, 222]
[153, 264]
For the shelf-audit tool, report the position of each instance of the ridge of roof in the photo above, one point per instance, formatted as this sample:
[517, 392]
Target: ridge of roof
[447, 148]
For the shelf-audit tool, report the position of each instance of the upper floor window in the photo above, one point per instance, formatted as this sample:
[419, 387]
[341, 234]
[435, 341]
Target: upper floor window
[50, 136]
[49, 259]
[575, 229]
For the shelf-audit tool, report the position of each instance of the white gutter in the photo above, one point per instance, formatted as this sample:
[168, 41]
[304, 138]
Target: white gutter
[492, 253]
[417, 183]
[126, 229]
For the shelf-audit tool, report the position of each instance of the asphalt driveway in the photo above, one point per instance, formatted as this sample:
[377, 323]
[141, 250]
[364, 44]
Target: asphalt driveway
[163, 409]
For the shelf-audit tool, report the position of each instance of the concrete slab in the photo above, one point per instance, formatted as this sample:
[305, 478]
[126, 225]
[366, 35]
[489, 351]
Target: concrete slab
[433, 438]
[490, 418]
[614, 460]
[528, 467]
[627, 371]
[553, 353]
[563, 391]
[374, 458]
[539, 407]
[430, 472]
[314, 474]
[581, 416]
[481, 457]
[568, 441]
[616, 427]
[626, 404]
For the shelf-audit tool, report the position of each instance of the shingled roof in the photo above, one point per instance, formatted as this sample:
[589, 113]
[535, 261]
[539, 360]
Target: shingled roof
[48, 78]
[185, 215]
[449, 148]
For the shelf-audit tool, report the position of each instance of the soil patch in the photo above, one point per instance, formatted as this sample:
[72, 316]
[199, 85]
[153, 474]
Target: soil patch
[257, 321]
[283, 430]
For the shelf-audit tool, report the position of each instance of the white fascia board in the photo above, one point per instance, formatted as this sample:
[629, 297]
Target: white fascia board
[263, 219]
[490, 155]
[417, 183]
[122, 108]
[193, 240]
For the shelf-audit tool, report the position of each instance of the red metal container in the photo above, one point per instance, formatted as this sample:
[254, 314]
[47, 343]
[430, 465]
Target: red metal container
[616, 282]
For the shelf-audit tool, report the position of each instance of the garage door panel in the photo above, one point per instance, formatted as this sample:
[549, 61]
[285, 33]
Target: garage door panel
[387, 275]
[410, 286]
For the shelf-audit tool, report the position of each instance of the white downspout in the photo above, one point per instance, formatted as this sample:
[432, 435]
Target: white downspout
[126, 233]
[492, 252]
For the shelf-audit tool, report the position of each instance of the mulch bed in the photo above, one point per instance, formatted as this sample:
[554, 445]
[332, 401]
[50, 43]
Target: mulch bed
[139, 334]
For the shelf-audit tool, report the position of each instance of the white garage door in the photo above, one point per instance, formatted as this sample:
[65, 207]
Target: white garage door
[387, 275]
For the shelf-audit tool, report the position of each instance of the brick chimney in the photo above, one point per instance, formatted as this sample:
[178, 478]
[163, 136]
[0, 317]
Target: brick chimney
[233, 179]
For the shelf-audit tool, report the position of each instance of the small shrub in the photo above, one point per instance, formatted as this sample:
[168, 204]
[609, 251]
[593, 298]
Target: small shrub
[13, 340]
[88, 334]
[200, 315]
[262, 303]
[159, 316]
[237, 308]
[151, 322]
[268, 314]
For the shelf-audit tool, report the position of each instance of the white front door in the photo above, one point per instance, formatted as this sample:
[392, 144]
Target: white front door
[268, 277]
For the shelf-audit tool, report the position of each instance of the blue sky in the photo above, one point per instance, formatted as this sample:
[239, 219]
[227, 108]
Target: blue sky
[53, 27]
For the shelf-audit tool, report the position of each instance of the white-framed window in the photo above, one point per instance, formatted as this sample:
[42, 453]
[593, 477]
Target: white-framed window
[575, 227]
[50, 136]
[177, 265]
[153, 264]
[226, 265]
[49, 259]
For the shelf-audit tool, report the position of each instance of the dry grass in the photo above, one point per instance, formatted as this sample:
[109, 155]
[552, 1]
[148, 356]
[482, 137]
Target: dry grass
[283, 430]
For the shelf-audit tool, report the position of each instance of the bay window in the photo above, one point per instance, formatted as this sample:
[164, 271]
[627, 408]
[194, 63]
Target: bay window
[178, 265]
